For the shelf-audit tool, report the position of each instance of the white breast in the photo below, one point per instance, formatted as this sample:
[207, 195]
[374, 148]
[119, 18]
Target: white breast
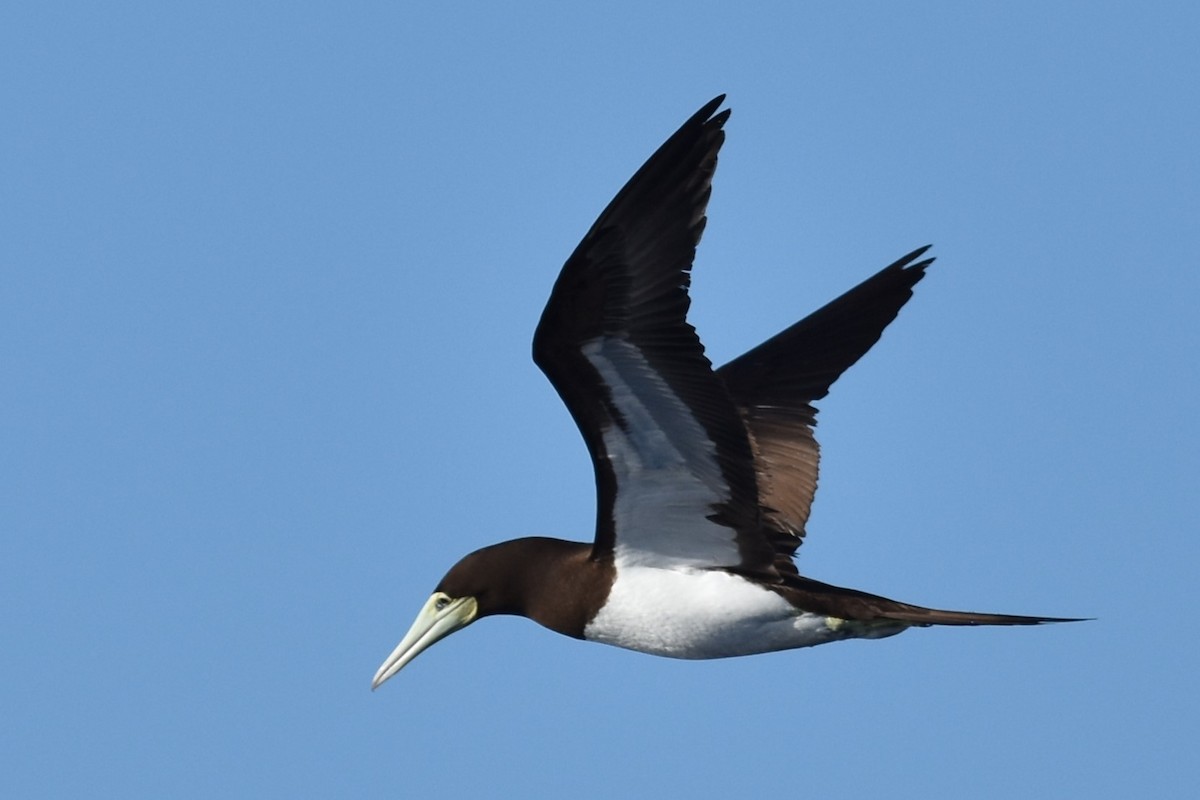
[696, 613]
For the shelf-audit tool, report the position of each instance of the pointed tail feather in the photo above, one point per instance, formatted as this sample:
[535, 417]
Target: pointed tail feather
[836, 601]
[932, 616]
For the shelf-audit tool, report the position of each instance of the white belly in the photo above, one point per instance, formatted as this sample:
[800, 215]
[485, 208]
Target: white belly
[708, 614]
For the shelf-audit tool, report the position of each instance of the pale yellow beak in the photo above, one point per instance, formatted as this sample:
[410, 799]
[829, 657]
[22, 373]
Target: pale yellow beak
[431, 625]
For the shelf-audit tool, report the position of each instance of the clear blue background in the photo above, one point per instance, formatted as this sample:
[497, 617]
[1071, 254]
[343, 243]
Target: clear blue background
[269, 276]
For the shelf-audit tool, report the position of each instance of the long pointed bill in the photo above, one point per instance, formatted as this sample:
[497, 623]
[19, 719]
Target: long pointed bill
[430, 626]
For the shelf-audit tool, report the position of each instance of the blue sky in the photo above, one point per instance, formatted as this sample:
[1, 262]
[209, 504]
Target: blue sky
[268, 278]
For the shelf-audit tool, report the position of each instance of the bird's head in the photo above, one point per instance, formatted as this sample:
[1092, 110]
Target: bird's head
[548, 580]
[454, 604]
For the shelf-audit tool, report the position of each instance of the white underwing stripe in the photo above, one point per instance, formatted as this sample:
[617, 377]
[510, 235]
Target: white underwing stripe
[668, 477]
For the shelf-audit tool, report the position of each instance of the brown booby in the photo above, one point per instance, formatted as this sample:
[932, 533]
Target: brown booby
[704, 478]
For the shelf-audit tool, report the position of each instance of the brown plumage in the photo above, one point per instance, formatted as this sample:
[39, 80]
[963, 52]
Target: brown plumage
[704, 478]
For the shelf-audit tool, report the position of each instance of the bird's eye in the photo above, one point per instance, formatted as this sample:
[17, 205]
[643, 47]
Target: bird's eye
[441, 603]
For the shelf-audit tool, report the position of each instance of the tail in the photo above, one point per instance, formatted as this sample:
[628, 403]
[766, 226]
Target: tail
[852, 604]
[917, 615]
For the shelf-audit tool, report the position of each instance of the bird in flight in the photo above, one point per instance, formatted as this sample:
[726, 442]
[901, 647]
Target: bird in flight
[704, 478]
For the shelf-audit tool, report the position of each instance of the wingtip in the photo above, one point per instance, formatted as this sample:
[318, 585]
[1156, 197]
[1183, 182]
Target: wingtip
[907, 260]
[708, 112]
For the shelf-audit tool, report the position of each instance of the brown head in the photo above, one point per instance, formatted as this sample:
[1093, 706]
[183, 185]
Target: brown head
[553, 582]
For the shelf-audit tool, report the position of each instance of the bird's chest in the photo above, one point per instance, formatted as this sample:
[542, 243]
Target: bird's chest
[701, 614]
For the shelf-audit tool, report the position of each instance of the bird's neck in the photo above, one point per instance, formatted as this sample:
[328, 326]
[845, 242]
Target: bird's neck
[555, 583]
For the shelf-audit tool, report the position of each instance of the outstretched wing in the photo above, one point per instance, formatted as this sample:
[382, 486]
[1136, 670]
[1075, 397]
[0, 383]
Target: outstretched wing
[675, 474]
[775, 384]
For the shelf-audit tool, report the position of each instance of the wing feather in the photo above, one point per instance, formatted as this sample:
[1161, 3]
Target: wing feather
[775, 385]
[674, 470]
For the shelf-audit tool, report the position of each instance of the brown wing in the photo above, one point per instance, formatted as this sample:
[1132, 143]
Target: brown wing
[674, 471]
[775, 384]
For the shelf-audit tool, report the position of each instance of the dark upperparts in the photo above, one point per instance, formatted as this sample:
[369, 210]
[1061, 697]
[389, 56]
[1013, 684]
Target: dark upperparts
[710, 470]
